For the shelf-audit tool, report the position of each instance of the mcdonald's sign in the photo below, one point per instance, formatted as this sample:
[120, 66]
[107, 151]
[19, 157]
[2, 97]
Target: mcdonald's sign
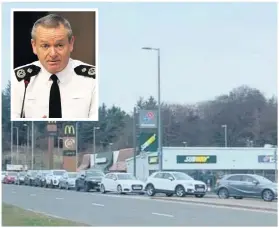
[69, 130]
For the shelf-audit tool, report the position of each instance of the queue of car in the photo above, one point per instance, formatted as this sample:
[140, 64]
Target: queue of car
[169, 183]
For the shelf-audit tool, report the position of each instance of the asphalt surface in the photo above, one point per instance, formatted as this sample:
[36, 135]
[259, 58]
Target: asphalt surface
[96, 209]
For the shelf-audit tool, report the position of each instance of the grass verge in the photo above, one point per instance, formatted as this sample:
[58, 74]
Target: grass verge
[15, 216]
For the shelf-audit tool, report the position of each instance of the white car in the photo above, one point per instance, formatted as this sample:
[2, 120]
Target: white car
[53, 178]
[121, 183]
[68, 180]
[177, 183]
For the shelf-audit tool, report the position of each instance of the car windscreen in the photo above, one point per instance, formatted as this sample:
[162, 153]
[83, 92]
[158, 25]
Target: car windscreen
[95, 174]
[182, 176]
[58, 173]
[125, 177]
[13, 174]
[72, 175]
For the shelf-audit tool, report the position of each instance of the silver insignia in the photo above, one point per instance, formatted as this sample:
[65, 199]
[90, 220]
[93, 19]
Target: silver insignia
[91, 71]
[29, 70]
[21, 73]
[83, 69]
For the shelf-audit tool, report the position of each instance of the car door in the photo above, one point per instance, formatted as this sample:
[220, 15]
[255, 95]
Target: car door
[158, 181]
[250, 188]
[168, 182]
[114, 182]
[107, 182]
[234, 185]
[63, 180]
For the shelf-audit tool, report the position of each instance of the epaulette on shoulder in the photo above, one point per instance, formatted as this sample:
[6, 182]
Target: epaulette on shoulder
[86, 71]
[26, 71]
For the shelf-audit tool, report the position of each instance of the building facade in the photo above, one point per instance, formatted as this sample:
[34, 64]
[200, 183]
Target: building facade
[208, 163]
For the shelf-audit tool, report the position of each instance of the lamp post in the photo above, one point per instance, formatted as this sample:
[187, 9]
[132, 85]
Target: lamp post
[17, 155]
[94, 143]
[27, 143]
[226, 134]
[160, 151]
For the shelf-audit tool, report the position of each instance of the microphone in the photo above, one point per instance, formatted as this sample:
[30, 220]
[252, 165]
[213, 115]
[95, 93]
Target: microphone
[25, 73]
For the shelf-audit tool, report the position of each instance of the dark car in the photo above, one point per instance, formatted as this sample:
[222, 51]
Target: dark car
[20, 177]
[40, 179]
[10, 178]
[30, 177]
[89, 179]
[246, 185]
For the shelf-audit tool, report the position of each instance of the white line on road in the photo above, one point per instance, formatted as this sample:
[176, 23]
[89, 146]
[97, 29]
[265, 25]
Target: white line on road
[13, 192]
[58, 198]
[46, 214]
[165, 215]
[97, 204]
[32, 194]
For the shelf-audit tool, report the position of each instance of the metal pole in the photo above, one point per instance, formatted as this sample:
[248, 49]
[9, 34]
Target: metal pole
[12, 143]
[17, 152]
[226, 136]
[135, 141]
[27, 144]
[275, 168]
[160, 151]
[76, 146]
[94, 145]
[32, 146]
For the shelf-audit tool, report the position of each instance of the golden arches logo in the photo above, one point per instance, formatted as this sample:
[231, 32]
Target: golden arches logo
[69, 130]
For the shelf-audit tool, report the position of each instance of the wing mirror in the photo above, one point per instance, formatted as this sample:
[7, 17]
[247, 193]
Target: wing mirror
[255, 182]
[114, 179]
[171, 178]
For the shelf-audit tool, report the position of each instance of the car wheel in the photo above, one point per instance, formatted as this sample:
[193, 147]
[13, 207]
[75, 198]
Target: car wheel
[180, 191]
[199, 195]
[223, 193]
[169, 194]
[268, 195]
[86, 187]
[102, 189]
[67, 186]
[238, 197]
[150, 190]
[77, 188]
[119, 189]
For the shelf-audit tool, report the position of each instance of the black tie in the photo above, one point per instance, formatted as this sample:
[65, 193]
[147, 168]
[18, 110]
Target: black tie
[54, 99]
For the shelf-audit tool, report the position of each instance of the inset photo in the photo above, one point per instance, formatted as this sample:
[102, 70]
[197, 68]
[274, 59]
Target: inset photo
[55, 59]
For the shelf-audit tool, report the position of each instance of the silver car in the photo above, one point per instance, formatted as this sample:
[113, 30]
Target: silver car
[246, 185]
[68, 180]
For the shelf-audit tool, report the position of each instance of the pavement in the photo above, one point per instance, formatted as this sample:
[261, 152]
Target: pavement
[97, 209]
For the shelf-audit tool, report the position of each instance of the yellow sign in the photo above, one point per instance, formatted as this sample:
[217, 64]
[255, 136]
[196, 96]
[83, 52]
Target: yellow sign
[69, 130]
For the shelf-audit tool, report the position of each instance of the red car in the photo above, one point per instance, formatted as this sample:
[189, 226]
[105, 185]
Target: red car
[10, 178]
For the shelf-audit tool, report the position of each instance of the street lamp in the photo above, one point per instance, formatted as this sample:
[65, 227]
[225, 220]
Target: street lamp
[160, 151]
[185, 144]
[94, 143]
[17, 155]
[27, 144]
[226, 134]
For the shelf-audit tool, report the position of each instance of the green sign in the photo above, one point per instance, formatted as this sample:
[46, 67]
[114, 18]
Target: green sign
[193, 159]
[152, 160]
[148, 142]
[69, 153]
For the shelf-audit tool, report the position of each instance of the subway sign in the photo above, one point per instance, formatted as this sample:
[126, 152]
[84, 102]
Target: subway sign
[194, 159]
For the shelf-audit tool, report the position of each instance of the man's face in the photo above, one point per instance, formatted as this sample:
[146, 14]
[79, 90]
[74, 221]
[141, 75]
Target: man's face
[52, 48]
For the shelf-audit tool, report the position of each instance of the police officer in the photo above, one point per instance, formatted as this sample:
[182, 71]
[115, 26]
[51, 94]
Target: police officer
[55, 86]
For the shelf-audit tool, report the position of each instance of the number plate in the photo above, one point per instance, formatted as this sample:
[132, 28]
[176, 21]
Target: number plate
[137, 188]
[200, 189]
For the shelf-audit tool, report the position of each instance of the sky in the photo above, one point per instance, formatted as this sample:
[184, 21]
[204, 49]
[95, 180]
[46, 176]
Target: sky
[207, 49]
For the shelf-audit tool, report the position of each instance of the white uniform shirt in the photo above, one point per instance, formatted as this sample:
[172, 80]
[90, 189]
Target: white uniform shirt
[78, 94]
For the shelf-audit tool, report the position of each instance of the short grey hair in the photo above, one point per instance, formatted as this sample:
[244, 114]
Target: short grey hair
[52, 21]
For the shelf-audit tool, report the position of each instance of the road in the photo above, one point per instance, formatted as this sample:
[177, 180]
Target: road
[96, 209]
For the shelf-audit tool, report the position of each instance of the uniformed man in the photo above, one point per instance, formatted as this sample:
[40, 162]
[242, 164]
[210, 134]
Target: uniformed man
[55, 86]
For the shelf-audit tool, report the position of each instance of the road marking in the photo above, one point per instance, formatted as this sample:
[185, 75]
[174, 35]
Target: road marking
[46, 214]
[97, 204]
[13, 192]
[58, 198]
[32, 194]
[159, 214]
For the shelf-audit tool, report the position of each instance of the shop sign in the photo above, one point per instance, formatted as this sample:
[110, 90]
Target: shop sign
[192, 159]
[152, 160]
